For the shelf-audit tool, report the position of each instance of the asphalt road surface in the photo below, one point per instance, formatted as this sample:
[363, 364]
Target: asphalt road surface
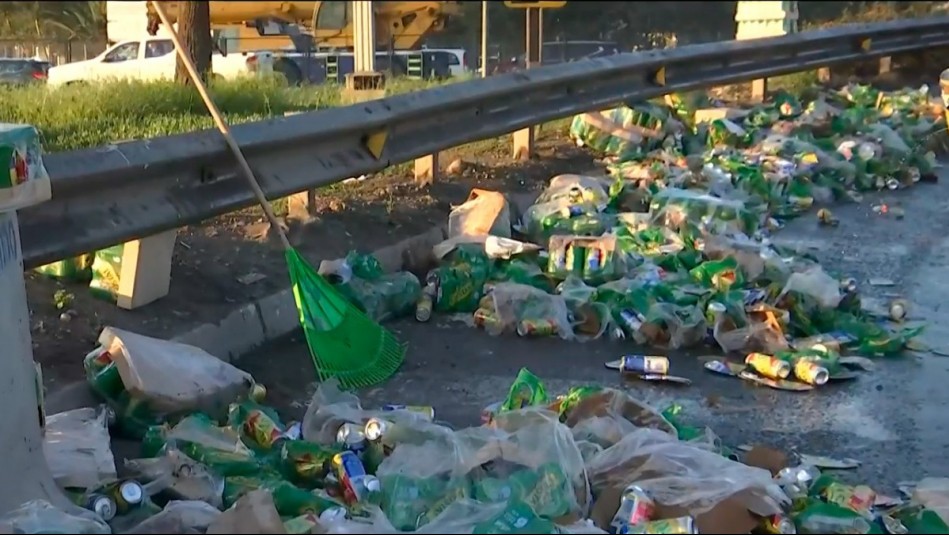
[893, 419]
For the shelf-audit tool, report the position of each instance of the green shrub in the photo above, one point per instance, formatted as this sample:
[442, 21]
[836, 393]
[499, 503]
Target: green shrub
[89, 115]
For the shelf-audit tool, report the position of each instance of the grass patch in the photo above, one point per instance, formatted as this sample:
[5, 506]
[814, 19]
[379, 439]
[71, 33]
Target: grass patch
[90, 115]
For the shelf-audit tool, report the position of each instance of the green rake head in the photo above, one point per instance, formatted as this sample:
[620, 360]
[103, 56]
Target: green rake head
[343, 341]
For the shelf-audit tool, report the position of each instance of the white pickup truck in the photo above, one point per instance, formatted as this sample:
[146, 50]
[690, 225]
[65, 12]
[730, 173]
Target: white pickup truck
[142, 59]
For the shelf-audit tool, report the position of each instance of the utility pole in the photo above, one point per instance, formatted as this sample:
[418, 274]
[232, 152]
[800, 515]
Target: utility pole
[194, 28]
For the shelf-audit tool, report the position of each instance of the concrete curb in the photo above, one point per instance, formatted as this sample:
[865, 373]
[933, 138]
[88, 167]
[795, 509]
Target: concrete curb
[274, 316]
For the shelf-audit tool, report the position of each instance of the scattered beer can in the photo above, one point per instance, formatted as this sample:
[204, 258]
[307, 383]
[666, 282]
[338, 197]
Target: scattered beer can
[810, 372]
[898, 309]
[100, 504]
[423, 308]
[376, 428]
[769, 366]
[684, 525]
[778, 524]
[352, 437]
[635, 507]
[644, 364]
[541, 327]
[826, 218]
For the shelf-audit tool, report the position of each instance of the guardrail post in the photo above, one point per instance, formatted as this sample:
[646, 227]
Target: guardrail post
[301, 206]
[524, 139]
[886, 64]
[427, 170]
[144, 269]
[764, 19]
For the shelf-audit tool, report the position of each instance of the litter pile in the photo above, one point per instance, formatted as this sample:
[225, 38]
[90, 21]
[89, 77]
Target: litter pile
[672, 249]
[215, 459]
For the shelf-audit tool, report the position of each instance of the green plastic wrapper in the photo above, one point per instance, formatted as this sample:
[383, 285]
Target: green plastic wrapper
[547, 490]
[76, 269]
[526, 391]
[134, 417]
[364, 266]
[921, 520]
[521, 272]
[623, 132]
[306, 463]
[259, 426]
[218, 448]
[822, 517]
[720, 275]
[385, 297]
[406, 499]
[454, 491]
[290, 500]
[459, 282]
[517, 517]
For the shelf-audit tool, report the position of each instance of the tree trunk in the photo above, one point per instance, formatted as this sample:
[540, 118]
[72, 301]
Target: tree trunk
[194, 29]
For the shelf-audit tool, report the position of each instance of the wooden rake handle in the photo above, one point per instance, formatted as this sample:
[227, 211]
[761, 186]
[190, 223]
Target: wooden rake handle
[221, 125]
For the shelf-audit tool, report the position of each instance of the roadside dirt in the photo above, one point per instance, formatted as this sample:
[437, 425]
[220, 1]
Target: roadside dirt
[213, 262]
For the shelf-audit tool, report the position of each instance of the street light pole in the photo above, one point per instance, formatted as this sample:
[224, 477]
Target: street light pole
[484, 38]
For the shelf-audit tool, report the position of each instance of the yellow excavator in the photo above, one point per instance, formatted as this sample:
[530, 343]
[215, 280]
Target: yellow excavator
[264, 25]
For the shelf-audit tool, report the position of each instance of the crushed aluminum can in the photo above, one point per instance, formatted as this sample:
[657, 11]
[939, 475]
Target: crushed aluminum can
[351, 436]
[778, 525]
[294, 431]
[898, 309]
[826, 217]
[797, 477]
[375, 429]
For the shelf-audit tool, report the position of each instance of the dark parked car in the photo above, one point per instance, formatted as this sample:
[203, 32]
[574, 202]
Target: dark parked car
[22, 71]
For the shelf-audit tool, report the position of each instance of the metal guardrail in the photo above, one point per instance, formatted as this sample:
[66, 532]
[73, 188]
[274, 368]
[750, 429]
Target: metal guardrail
[115, 193]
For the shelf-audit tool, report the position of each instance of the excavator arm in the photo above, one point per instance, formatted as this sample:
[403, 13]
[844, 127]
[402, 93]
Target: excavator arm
[404, 24]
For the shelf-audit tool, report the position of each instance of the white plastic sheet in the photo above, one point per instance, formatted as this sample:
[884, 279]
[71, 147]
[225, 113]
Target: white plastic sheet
[77, 448]
[171, 376]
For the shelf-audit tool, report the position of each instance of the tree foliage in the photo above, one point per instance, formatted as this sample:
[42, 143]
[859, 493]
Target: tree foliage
[53, 20]
[647, 24]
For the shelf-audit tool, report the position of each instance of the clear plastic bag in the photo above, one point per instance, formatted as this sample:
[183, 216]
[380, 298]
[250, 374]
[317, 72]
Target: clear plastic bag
[172, 377]
[78, 449]
[330, 407]
[460, 516]
[40, 516]
[606, 416]
[587, 193]
[527, 455]
[683, 325]
[195, 429]
[756, 336]
[673, 208]
[520, 308]
[179, 516]
[816, 283]
[184, 478]
[676, 473]
[485, 212]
